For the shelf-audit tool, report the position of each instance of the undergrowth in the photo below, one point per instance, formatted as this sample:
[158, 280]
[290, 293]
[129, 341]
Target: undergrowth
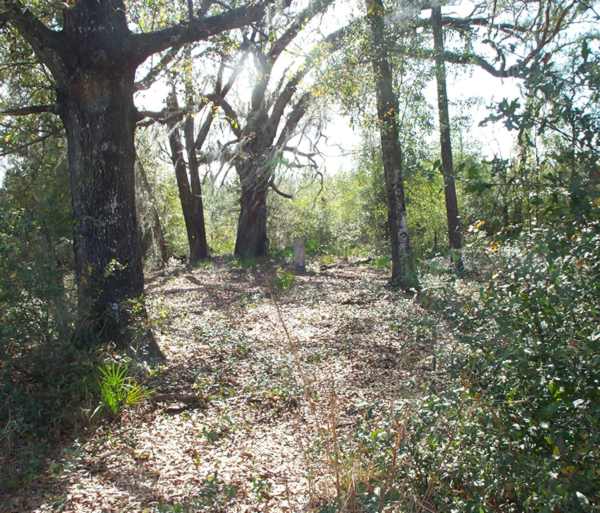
[516, 426]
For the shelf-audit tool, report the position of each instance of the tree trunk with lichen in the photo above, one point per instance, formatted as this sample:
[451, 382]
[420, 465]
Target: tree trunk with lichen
[95, 100]
[93, 58]
[251, 240]
[403, 265]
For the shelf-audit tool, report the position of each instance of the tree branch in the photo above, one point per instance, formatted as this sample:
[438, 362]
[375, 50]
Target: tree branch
[334, 40]
[293, 119]
[47, 44]
[197, 29]
[230, 114]
[21, 147]
[150, 78]
[147, 117]
[314, 8]
[278, 191]
[32, 109]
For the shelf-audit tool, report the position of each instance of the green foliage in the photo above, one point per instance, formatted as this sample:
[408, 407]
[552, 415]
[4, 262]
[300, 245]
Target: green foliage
[426, 210]
[283, 279]
[44, 395]
[171, 216]
[515, 426]
[554, 176]
[221, 209]
[348, 216]
[531, 375]
[332, 218]
[381, 262]
[117, 389]
[35, 253]
[46, 384]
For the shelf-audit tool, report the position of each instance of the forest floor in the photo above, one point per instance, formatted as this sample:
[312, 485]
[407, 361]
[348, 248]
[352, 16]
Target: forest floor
[259, 386]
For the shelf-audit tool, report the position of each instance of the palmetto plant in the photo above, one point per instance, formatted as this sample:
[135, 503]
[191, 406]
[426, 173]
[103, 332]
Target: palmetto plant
[117, 389]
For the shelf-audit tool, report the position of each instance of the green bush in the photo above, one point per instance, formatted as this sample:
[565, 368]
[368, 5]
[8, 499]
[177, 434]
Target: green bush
[521, 431]
[515, 427]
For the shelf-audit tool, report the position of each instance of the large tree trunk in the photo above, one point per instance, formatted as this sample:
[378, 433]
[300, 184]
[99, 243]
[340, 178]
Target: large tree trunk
[403, 265]
[190, 197]
[199, 250]
[251, 241]
[454, 231]
[99, 116]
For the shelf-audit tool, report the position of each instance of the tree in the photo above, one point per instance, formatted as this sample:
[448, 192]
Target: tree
[454, 230]
[190, 195]
[190, 189]
[266, 130]
[403, 265]
[92, 60]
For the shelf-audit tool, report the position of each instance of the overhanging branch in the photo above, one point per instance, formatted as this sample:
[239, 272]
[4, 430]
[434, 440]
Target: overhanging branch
[31, 109]
[197, 29]
[154, 73]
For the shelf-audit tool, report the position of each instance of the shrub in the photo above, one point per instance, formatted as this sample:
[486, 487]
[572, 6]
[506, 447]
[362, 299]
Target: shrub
[522, 431]
[516, 427]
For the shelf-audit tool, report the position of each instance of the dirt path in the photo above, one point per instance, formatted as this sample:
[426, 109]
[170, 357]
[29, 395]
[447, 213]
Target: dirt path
[242, 413]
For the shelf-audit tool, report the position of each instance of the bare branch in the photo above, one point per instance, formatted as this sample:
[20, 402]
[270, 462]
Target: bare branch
[154, 73]
[32, 109]
[278, 191]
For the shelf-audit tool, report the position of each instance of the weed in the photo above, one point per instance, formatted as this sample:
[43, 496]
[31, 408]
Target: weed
[204, 264]
[314, 357]
[241, 350]
[327, 260]
[217, 430]
[214, 495]
[117, 389]
[283, 280]
[261, 488]
[244, 263]
[381, 263]
[214, 387]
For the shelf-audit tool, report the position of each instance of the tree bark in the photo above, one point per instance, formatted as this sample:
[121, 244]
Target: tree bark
[453, 219]
[189, 196]
[251, 240]
[95, 100]
[98, 108]
[403, 265]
